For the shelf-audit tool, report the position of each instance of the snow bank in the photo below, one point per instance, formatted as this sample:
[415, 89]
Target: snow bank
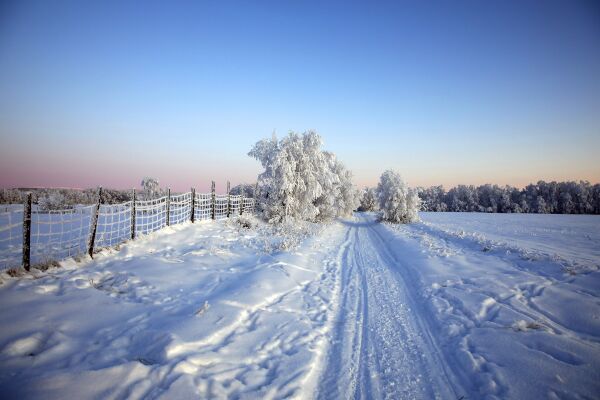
[213, 309]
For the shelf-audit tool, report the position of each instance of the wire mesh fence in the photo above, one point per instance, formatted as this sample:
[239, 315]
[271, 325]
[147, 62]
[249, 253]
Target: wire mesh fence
[10, 208]
[114, 224]
[248, 205]
[221, 202]
[11, 237]
[234, 204]
[150, 215]
[59, 234]
[203, 206]
[180, 208]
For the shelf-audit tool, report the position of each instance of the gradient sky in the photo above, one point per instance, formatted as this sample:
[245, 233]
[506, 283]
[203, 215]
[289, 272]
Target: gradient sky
[446, 92]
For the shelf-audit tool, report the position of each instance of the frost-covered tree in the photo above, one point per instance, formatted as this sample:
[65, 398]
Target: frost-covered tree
[245, 189]
[540, 205]
[463, 198]
[339, 196]
[53, 201]
[368, 200]
[542, 197]
[349, 195]
[595, 198]
[301, 181]
[433, 198]
[397, 201]
[150, 187]
[11, 196]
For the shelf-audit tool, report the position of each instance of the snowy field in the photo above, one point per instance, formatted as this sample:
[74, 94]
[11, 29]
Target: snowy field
[458, 306]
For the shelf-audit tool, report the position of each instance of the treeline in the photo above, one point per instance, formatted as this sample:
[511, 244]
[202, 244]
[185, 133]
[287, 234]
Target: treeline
[542, 198]
[54, 199]
[57, 199]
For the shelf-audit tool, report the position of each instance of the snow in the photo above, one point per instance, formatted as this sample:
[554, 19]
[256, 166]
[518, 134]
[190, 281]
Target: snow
[512, 299]
[459, 305]
[210, 309]
[573, 240]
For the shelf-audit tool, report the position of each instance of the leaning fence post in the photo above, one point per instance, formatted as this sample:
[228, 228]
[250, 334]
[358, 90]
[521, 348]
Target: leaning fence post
[133, 215]
[168, 205]
[212, 200]
[228, 200]
[94, 224]
[192, 217]
[27, 232]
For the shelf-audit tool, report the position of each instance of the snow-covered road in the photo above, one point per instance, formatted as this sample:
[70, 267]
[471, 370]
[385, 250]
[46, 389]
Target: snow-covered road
[458, 306]
[380, 347]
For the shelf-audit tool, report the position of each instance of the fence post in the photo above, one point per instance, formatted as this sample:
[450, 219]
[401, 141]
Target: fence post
[27, 232]
[133, 215]
[168, 206]
[192, 217]
[228, 200]
[255, 202]
[212, 200]
[94, 224]
[242, 199]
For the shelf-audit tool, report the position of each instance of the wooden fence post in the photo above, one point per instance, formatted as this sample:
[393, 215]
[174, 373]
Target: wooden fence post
[255, 202]
[242, 199]
[133, 215]
[27, 232]
[168, 206]
[94, 224]
[228, 200]
[213, 200]
[192, 217]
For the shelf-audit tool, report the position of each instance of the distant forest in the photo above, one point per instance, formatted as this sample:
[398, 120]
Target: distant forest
[542, 198]
[60, 198]
[53, 198]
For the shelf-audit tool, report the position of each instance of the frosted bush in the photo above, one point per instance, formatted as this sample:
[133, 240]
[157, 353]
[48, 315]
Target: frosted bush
[53, 201]
[368, 201]
[301, 181]
[398, 202]
[150, 187]
[243, 189]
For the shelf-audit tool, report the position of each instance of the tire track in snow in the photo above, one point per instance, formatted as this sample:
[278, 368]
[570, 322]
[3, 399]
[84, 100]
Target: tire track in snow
[447, 376]
[519, 299]
[379, 347]
[349, 305]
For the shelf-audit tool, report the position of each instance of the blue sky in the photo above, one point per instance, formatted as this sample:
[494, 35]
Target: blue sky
[445, 92]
